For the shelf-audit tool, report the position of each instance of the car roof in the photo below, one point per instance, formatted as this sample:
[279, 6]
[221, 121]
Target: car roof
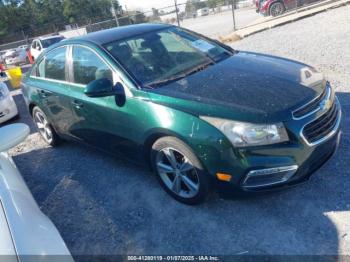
[119, 33]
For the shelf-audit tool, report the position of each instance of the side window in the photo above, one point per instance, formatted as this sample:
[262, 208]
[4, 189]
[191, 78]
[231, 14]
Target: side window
[39, 45]
[34, 44]
[54, 64]
[87, 66]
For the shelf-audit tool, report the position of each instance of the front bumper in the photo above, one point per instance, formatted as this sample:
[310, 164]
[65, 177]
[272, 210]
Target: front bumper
[279, 166]
[8, 109]
[316, 160]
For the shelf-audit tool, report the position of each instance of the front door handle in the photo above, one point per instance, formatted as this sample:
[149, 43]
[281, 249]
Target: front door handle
[77, 104]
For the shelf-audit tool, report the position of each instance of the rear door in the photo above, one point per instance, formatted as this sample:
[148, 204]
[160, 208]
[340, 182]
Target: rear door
[53, 89]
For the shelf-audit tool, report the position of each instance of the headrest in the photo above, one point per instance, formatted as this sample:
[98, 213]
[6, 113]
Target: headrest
[122, 51]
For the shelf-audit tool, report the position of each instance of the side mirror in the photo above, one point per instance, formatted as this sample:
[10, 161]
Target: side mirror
[38, 48]
[12, 135]
[104, 87]
[100, 88]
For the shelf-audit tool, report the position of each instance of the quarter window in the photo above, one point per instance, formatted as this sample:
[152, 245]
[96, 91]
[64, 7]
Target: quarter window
[41, 69]
[54, 64]
[87, 66]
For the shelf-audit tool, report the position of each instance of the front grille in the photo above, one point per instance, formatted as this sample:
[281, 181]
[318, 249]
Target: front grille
[322, 126]
[311, 106]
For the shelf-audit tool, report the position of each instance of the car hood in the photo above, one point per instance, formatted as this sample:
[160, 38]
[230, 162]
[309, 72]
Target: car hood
[248, 87]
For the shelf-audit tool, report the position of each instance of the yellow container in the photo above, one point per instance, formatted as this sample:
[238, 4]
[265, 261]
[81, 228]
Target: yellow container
[15, 76]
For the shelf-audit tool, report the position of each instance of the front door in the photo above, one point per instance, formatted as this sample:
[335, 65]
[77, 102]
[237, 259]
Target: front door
[100, 121]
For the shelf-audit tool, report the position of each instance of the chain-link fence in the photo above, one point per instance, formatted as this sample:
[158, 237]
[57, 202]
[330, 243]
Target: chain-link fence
[213, 18]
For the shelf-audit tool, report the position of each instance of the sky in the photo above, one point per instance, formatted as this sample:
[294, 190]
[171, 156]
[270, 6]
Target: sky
[146, 5]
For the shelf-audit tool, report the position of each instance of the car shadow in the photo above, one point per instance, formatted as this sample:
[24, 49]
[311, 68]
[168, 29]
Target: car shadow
[103, 206]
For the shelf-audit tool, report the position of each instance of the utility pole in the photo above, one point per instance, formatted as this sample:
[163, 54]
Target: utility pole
[24, 36]
[233, 3]
[114, 13]
[127, 13]
[177, 13]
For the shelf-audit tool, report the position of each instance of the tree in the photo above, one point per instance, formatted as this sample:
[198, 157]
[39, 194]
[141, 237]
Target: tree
[37, 17]
[212, 4]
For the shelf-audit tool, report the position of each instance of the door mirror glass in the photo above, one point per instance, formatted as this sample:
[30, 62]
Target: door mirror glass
[103, 87]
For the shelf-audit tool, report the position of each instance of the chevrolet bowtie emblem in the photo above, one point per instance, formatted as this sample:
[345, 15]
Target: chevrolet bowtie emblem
[325, 105]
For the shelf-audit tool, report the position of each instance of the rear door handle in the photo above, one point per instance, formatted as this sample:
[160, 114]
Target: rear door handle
[77, 104]
[44, 93]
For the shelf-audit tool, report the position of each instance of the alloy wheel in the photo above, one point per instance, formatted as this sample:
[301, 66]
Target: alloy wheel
[43, 126]
[276, 9]
[177, 172]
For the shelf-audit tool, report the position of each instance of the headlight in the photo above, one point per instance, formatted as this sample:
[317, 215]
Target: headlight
[246, 134]
[3, 91]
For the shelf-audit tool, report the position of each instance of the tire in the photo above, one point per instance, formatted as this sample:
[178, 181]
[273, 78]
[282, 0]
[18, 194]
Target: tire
[185, 178]
[277, 9]
[44, 127]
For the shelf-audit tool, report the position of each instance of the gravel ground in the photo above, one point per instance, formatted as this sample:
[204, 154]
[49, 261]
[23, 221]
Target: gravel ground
[221, 24]
[103, 205]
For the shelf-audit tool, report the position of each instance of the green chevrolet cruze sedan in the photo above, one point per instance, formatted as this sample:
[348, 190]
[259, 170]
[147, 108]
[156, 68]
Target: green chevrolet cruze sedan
[199, 113]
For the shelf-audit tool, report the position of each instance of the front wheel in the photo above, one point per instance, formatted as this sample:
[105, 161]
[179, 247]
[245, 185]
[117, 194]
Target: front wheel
[277, 9]
[45, 128]
[179, 171]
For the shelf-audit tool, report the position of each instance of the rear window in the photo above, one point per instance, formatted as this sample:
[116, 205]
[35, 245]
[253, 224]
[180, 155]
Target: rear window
[51, 41]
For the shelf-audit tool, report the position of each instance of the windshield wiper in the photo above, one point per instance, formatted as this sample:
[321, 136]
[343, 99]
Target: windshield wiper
[177, 77]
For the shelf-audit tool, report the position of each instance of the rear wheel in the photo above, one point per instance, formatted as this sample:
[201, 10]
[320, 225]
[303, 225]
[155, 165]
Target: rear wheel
[45, 128]
[277, 9]
[179, 171]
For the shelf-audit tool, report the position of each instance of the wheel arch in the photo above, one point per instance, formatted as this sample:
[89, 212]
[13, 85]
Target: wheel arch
[31, 108]
[152, 137]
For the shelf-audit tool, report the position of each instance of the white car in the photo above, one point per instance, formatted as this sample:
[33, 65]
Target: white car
[8, 108]
[40, 44]
[16, 56]
[203, 12]
[2, 58]
[24, 229]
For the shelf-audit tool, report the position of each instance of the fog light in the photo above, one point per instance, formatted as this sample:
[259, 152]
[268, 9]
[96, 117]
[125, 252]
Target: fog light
[223, 177]
[269, 177]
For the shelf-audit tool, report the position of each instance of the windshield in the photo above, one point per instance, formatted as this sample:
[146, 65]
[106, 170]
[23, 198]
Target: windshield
[159, 57]
[49, 42]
